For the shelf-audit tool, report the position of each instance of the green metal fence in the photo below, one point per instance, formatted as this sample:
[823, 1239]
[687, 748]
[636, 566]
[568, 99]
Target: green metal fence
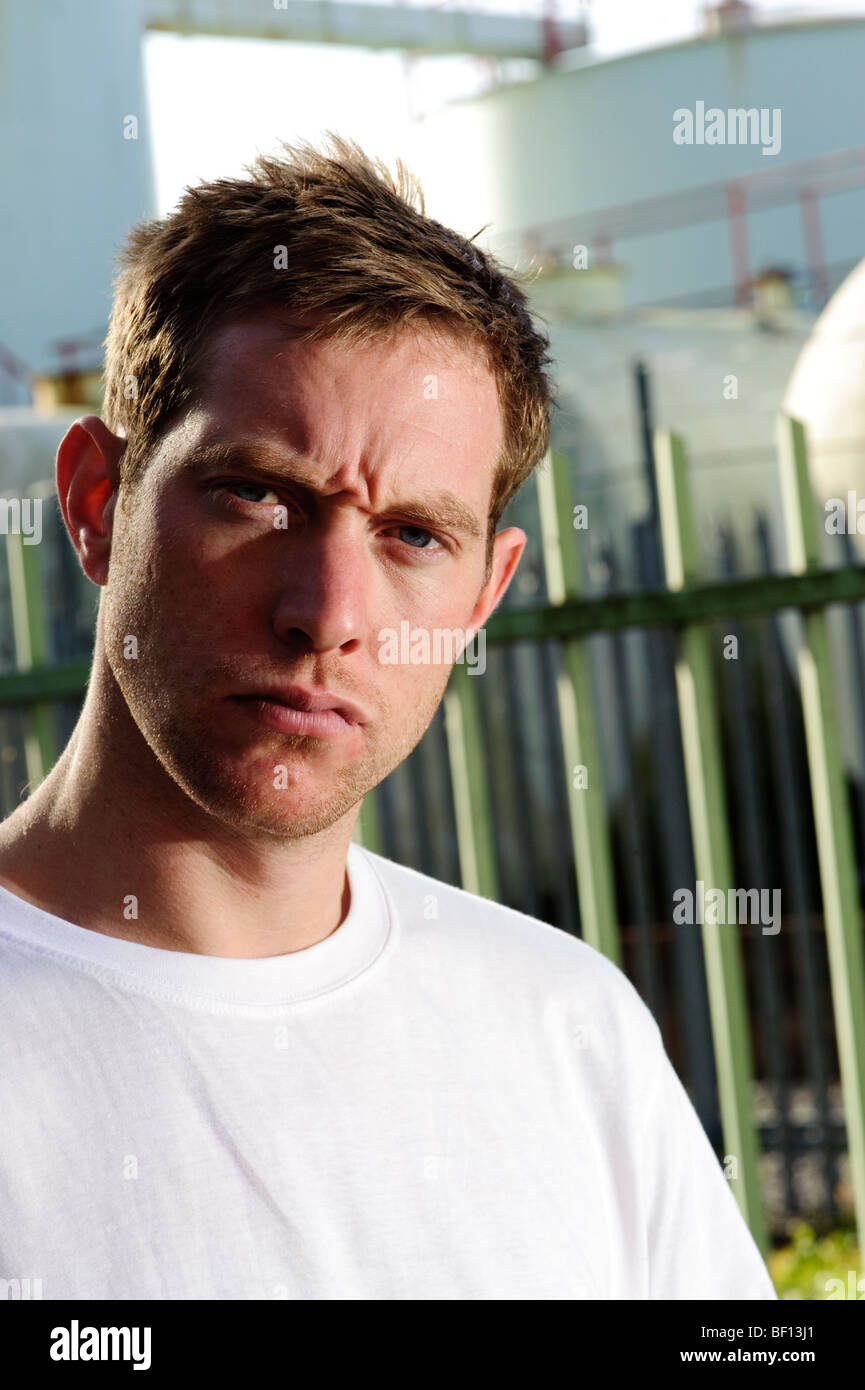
[687, 607]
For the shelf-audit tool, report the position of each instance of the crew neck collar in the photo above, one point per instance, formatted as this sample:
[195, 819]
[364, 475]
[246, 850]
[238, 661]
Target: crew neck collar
[220, 984]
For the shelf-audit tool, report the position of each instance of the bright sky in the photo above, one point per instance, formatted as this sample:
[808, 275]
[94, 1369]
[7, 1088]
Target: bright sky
[215, 103]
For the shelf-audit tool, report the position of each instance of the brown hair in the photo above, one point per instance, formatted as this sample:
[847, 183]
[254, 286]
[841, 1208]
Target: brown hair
[335, 235]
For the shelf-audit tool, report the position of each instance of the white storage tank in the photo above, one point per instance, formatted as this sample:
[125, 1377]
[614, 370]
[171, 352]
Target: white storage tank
[75, 169]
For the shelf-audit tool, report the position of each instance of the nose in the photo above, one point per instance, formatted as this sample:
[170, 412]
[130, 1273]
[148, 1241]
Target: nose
[323, 601]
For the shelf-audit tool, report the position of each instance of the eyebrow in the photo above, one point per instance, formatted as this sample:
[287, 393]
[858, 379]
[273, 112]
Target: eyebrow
[436, 509]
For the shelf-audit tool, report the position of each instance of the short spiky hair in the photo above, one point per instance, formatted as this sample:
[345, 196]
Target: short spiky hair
[330, 234]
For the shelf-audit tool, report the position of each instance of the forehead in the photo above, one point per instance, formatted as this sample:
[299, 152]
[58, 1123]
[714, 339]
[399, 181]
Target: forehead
[416, 391]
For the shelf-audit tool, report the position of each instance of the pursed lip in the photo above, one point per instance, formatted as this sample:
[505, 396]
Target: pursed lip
[312, 701]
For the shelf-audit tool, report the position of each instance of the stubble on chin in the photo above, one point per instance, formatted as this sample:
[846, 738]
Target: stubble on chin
[242, 790]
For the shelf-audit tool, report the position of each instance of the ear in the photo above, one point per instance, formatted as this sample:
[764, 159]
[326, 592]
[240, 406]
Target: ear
[88, 478]
[508, 547]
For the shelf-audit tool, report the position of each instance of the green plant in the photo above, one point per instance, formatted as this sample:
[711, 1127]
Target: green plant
[806, 1267]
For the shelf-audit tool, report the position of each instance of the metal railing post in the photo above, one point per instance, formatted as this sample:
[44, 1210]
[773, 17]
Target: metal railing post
[588, 813]
[701, 743]
[836, 856]
[471, 794]
[367, 827]
[31, 650]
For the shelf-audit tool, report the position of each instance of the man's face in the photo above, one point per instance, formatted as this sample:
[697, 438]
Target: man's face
[280, 562]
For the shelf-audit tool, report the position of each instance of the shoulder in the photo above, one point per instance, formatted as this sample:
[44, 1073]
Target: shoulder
[515, 953]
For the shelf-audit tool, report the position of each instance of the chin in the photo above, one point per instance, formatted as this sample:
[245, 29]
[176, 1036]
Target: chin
[283, 790]
[246, 800]
[287, 819]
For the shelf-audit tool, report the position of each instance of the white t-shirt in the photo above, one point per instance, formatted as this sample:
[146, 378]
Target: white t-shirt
[444, 1099]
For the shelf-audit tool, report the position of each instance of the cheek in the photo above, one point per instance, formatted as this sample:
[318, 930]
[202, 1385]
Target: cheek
[427, 620]
[157, 592]
[188, 575]
[415, 662]
[440, 598]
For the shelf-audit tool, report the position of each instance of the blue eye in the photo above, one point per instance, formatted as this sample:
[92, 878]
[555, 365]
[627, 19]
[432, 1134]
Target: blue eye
[249, 487]
[418, 531]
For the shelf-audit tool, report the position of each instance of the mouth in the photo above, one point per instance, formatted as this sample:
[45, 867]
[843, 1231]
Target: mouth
[291, 709]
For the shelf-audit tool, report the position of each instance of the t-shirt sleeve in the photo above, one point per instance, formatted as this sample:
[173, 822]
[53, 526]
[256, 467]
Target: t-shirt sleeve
[699, 1244]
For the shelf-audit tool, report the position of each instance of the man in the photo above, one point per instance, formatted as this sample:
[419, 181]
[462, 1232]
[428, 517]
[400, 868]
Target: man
[242, 1057]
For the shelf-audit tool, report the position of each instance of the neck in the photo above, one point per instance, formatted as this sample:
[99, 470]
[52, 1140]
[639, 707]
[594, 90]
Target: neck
[109, 833]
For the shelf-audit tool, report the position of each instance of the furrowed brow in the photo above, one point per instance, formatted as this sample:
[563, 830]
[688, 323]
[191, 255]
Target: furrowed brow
[439, 509]
[225, 452]
[434, 509]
